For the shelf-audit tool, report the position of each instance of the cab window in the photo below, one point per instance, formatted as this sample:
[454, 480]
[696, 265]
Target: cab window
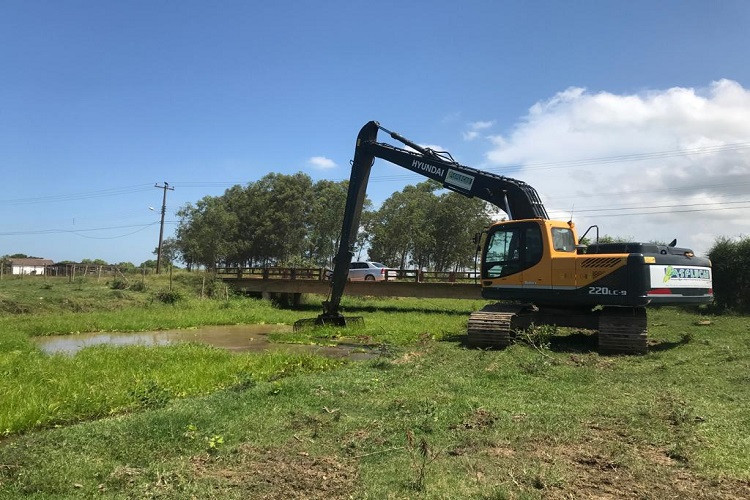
[511, 250]
[563, 240]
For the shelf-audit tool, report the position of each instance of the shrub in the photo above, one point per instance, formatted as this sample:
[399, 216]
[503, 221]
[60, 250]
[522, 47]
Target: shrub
[118, 284]
[731, 273]
[169, 296]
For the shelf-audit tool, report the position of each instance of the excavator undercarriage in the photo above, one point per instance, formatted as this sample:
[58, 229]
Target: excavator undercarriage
[622, 330]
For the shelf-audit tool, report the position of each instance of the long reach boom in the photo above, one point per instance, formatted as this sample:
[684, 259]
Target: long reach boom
[516, 198]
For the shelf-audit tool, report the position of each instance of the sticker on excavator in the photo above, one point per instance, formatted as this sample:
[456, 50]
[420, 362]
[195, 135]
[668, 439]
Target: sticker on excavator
[459, 180]
[680, 276]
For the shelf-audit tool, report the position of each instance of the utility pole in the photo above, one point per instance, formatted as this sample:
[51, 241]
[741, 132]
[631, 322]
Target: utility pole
[161, 229]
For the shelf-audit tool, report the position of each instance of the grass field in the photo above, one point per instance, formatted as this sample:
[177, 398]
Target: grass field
[428, 418]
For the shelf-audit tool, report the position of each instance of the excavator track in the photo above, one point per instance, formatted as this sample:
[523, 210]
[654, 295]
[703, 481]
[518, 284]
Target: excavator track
[623, 330]
[491, 328]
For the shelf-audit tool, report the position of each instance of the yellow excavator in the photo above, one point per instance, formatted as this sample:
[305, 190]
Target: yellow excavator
[535, 266]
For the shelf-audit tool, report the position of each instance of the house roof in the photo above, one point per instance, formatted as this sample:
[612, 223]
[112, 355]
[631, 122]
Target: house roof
[31, 262]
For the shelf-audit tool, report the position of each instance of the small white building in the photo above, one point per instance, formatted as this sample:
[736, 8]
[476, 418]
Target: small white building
[29, 266]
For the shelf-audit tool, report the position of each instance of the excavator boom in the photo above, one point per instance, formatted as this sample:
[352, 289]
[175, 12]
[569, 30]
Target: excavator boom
[516, 198]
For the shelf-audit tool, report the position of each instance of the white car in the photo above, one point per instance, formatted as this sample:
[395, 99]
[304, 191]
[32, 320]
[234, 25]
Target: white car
[367, 271]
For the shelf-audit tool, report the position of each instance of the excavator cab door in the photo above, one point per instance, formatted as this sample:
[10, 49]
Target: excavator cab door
[511, 248]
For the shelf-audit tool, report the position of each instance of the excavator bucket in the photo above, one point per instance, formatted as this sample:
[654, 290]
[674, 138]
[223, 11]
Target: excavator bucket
[328, 320]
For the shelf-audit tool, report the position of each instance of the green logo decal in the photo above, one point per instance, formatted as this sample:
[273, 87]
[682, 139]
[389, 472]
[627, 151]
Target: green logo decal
[668, 273]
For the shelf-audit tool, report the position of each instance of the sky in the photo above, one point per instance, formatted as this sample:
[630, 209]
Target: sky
[634, 116]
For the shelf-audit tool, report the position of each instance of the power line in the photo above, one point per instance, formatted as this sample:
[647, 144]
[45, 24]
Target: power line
[637, 156]
[641, 207]
[115, 237]
[594, 216]
[76, 196]
[74, 231]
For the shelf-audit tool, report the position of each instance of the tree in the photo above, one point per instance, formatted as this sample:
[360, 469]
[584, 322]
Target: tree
[170, 251]
[206, 232]
[125, 267]
[325, 220]
[95, 262]
[455, 221]
[730, 259]
[278, 206]
[419, 227]
[400, 228]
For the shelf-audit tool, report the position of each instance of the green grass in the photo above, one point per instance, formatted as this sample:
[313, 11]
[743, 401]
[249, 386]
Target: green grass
[41, 391]
[427, 419]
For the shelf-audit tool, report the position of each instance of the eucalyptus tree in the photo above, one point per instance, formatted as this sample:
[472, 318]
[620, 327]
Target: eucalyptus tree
[206, 232]
[454, 222]
[401, 233]
[426, 228]
[325, 220]
[278, 210]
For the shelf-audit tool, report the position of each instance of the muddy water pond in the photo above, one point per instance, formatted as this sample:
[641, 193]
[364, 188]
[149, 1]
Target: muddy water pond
[240, 338]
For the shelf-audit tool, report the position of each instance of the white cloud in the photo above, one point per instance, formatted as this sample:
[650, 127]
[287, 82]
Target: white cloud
[475, 127]
[321, 162]
[681, 150]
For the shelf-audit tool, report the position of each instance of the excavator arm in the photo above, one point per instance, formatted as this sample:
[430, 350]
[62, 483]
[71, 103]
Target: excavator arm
[516, 198]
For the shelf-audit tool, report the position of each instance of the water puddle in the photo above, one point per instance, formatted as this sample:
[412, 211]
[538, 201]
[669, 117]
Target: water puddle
[240, 338]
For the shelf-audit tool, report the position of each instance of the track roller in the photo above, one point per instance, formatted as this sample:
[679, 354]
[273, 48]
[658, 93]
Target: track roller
[623, 330]
[492, 326]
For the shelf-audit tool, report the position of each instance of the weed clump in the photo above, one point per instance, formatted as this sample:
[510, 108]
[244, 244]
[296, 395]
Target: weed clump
[539, 337]
[168, 296]
[118, 284]
[150, 394]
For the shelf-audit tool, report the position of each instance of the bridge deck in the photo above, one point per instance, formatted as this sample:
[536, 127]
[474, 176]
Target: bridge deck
[399, 284]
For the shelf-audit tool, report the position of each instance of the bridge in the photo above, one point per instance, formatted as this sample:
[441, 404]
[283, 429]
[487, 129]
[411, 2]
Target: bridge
[271, 281]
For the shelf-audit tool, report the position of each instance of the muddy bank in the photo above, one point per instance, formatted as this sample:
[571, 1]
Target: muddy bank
[239, 338]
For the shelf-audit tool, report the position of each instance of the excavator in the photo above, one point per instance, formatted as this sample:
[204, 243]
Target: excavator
[534, 266]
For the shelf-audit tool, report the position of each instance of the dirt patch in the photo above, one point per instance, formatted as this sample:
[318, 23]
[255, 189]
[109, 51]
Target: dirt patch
[607, 464]
[253, 473]
[479, 419]
[501, 451]
[593, 470]
[592, 360]
[408, 358]
[594, 475]
[124, 476]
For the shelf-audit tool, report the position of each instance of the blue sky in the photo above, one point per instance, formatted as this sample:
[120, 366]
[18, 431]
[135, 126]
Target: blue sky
[100, 100]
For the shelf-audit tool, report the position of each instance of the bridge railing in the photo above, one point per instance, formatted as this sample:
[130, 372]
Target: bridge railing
[323, 274]
[420, 276]
[274, 273]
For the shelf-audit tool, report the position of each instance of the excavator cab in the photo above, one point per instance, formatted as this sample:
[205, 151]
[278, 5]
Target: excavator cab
[520, 257]
[512, 247]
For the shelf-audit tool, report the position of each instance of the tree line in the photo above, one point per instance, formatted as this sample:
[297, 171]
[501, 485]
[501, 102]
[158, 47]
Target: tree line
[289, 220]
